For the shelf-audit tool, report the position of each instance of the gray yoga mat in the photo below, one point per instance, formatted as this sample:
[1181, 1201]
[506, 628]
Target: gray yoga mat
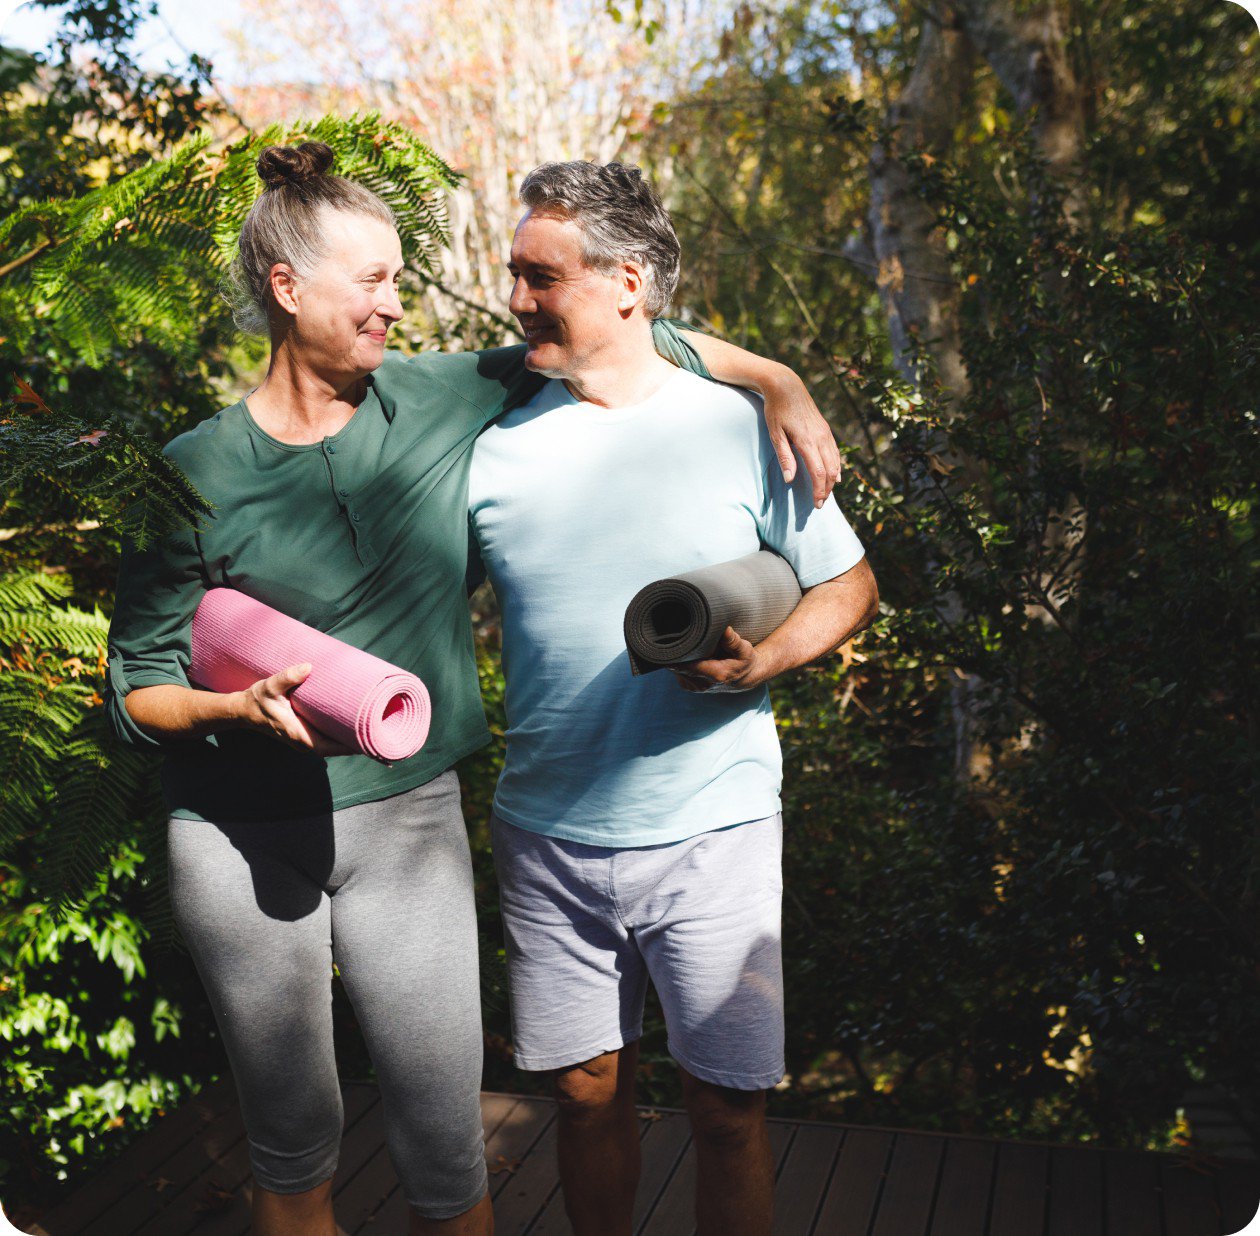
[682, 618]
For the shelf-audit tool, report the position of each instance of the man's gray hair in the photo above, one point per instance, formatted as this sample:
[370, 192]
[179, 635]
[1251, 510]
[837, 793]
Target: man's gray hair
[621, 217]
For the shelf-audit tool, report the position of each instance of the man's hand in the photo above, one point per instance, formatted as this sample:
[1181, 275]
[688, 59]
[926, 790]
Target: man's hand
[266, 706]
[734, 666]
[794, 421]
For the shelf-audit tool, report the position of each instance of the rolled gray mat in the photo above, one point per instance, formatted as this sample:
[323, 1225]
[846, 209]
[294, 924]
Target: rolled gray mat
[682, 618]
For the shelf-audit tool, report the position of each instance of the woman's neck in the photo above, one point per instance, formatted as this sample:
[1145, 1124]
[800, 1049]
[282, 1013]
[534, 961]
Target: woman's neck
[299, 404]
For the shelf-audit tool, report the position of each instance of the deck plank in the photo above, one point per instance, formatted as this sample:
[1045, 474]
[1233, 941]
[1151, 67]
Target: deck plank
[511, 1142]
[512, 1124]
[366, 1177]
[905, 1206]
[554, 1222]
[1020, 1184]
[216, 1204]
[1188, 1198]
[1131, 1189]
[962, 1204]
[666, 1140]
[831, 1180]
[138, 1205]
[217, 1201]
[522, 1198]
[139, 1162]
[781, 1134]
[1238, 1191]
[849, 1206]
[1076, 1192]
[804, 1178]
[674, 1212]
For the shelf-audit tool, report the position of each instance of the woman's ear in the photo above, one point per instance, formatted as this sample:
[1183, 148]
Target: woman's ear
[283, 282]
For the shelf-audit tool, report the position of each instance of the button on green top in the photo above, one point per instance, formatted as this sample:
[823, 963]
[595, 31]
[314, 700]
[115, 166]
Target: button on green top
[278, 533]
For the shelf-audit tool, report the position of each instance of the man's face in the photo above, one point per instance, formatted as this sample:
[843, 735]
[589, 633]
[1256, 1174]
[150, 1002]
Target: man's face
[567, 311]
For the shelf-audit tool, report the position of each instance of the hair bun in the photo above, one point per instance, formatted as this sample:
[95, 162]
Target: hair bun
[294, 165]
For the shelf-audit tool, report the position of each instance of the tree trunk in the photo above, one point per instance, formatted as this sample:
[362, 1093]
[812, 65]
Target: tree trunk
[1029, 54]
[916, 285]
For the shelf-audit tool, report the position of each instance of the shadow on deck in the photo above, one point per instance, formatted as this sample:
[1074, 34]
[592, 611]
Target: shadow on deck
[190, 1175]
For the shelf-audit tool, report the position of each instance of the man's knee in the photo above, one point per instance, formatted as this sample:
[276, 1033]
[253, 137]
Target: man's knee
[720, 1116]
[592, 1089]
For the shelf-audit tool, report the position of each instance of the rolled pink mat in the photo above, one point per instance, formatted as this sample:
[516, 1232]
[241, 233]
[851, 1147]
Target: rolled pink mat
[350, 695]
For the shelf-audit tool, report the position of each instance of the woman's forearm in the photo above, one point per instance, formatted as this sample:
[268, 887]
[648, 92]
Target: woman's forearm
[738, 367]
[170, 711]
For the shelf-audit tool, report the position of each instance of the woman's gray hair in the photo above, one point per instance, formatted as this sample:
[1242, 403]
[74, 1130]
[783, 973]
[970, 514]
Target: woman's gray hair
[286, 224]
[621, 216]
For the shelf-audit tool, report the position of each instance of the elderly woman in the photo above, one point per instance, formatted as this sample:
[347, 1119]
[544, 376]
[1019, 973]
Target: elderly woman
[340, 497]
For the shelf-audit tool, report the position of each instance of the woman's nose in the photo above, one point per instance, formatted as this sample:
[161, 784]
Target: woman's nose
[391, 305]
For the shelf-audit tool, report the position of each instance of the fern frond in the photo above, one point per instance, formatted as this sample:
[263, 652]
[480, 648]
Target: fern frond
[120, 261]
[93, 810]
[37, 716]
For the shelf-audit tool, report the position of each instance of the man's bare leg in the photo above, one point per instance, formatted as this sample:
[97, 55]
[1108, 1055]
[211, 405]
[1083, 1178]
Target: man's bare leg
[734, 1168]
[293, 1214]
[479, 1221]
[598, 1142]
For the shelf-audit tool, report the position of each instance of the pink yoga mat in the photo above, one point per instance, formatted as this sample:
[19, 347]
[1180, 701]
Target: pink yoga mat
[351, 696]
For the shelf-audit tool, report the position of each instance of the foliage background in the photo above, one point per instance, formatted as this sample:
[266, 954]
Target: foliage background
[1023, 856]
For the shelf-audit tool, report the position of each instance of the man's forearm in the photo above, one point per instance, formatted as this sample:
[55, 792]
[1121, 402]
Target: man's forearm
[170, 711]
[828, 614]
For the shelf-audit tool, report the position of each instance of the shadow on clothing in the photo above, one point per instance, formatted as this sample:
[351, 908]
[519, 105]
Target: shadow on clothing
[595, 771]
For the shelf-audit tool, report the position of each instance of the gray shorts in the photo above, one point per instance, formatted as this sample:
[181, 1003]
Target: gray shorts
[587, 927]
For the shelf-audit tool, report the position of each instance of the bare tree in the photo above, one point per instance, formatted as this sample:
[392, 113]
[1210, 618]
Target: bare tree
[496, 89]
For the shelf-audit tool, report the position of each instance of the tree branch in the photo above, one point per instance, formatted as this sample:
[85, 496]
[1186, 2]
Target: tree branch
[29, 256]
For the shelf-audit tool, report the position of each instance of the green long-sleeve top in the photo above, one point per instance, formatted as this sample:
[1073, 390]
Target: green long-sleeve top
[362, 535]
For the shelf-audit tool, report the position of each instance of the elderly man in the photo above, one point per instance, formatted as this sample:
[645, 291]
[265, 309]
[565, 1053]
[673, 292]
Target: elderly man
[637, 833]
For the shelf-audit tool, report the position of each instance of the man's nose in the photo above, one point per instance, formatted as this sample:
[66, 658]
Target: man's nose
[520, 301]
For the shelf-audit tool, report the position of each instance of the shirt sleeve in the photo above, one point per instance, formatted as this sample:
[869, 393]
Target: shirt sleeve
[151, 629]
[819, 543]
[671, 343]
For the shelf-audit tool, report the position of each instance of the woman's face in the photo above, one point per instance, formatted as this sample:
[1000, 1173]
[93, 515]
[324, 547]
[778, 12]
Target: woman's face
[341, 314]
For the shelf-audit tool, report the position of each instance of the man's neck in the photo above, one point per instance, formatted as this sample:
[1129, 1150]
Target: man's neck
[621, 376]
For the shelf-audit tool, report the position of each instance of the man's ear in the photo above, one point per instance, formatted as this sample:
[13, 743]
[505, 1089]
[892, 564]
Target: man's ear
[633, 288]
[283, 283]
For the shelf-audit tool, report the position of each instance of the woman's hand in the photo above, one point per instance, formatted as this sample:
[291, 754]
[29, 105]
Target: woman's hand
[266, 706]
[795, 423]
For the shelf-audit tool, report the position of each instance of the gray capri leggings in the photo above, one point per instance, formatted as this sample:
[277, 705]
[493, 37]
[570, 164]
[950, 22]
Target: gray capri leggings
[385, 890]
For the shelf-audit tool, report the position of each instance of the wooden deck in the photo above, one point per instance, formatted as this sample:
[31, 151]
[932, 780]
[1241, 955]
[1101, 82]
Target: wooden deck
[191, 1175]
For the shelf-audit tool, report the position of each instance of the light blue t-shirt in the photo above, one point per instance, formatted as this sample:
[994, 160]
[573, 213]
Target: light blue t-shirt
[574, 508]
